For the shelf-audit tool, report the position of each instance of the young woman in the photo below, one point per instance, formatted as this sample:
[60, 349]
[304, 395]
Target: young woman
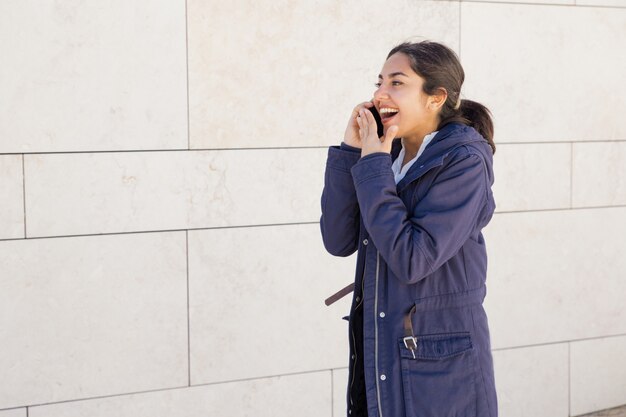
[413, 203]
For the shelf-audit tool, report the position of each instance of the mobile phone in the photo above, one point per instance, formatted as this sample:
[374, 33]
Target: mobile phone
[379, 122]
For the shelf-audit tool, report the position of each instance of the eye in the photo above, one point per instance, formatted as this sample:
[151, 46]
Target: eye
[392, 83]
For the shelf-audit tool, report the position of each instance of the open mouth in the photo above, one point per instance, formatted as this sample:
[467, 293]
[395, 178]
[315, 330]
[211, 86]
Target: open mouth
[387, 114]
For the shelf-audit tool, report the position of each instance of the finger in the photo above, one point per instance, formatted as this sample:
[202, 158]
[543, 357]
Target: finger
[391, 133]
[364, 121]
[389, 136]
[359, 120]
[359, 106]
[369, 118]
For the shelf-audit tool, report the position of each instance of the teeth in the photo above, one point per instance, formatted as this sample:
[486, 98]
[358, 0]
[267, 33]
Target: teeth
[388, 110]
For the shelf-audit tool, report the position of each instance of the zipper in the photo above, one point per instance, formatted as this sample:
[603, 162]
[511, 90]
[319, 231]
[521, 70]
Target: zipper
[353, 338]
[380, 410]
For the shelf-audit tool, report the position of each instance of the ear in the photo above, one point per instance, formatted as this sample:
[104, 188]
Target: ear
[436, 101]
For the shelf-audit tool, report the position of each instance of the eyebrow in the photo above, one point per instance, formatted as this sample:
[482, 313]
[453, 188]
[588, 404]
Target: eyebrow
[393, 74]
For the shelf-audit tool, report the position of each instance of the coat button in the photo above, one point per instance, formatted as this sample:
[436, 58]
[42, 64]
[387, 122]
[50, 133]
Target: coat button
[365, 242]
[358, 298]
[382, 314]
[352, 357]
[383, 377]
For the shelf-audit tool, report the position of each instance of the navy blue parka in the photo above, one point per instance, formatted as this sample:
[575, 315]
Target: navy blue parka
[419, 247]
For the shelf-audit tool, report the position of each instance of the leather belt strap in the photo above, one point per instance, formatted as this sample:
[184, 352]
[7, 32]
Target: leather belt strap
[410, 341]
[339, 294]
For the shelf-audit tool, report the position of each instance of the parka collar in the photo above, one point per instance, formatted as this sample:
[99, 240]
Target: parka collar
[449, 137]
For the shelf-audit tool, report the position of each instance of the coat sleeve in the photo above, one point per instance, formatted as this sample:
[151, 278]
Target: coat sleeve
[415, 243]
[339, 222]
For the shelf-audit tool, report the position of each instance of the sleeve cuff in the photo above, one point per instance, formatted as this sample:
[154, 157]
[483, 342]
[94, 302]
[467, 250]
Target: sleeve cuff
[373, 165]
[342, 159]
[347, 147]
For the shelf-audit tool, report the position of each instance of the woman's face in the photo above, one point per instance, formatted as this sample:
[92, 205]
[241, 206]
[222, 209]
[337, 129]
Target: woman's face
[399, 87]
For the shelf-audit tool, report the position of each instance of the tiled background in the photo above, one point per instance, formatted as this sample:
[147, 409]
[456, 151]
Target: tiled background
[161, 165]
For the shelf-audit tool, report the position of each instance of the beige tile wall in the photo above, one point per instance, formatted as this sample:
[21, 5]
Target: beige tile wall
[556, 275]
[114, 192]
[284, 73]
[160, 172]
[16, 412]
[532, 381]
[92, 315]
[258, 293]
[307, 395]
[550, 73]
[90, 76]
[598, 373]
[12, 197]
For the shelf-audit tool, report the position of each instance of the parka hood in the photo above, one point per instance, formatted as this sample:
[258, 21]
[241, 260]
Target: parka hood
[450, 137]
[447, 138]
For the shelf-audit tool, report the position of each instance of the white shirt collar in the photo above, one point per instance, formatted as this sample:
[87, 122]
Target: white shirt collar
[400, 171]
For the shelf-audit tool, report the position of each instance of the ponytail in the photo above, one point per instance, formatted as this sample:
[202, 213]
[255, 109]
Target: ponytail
[473, 114]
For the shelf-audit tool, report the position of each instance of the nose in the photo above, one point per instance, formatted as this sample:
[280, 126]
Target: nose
[381, 94]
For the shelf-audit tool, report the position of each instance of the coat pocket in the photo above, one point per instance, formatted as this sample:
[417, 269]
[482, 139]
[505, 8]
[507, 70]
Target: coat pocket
[440, 380]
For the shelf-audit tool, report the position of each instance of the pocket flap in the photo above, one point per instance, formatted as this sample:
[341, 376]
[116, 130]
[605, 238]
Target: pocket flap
[438, 346]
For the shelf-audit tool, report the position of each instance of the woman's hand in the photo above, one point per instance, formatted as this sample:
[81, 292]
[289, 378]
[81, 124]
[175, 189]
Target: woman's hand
[352, 137]
[368, 134]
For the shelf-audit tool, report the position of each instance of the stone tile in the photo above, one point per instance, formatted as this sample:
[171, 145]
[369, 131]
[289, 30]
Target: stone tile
[305, 395]
[599, 174]
[555, 275]
[536, 67]
[257, 303]
[340, 387]
[90, 316]
[71, 194]
[283, 73]
[92, 76]
[532, 381]
[532, 176]
[598, 374]
[17, 412]
[12, 197]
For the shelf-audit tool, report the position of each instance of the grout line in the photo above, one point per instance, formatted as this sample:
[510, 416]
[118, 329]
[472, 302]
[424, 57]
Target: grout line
[269, 148]
[187, 68]
[557, 342]
[24, 193]
[460, 9]
[564, 209]
[571, 176]
[544, 4]
[182, 387]
[332, 395]
[169, 230]
[569, 380]
[188, 321]
[559, 209]
[98, 397]
[273, 148]
[557, 142]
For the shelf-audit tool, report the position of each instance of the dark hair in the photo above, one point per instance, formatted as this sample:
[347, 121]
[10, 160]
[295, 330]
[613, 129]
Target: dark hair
[440, 67]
